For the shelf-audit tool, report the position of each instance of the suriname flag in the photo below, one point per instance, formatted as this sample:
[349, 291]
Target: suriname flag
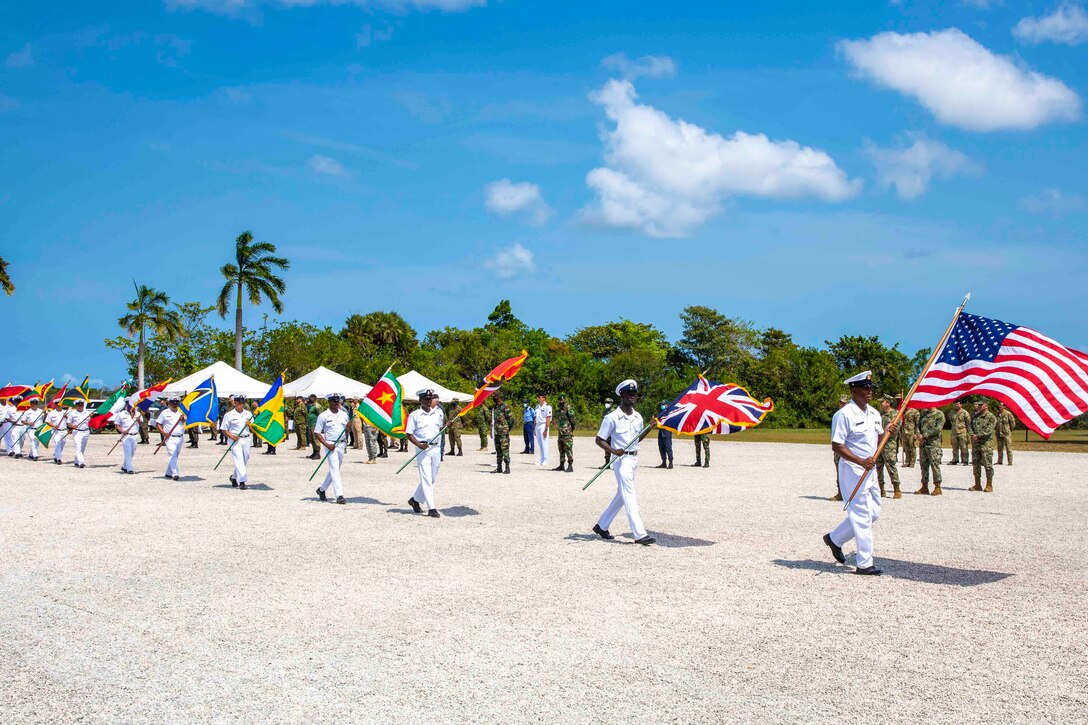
[269, 423]
[383, 406]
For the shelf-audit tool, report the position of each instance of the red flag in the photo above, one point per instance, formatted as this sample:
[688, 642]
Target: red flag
[10, 391]
[58, 397]
[502, 372]
[479, 397]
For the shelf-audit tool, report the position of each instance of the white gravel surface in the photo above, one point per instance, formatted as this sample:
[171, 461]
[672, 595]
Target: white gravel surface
[137, 599]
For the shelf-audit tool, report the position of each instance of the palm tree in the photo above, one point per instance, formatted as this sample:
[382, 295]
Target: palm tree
[254, 270]
[5, 280]
[149, 311]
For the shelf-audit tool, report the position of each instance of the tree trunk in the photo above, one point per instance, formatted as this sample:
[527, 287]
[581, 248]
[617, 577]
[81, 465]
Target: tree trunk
[238, 332]
[140, 361]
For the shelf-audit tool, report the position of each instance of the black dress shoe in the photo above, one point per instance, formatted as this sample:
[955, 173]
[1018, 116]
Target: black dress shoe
[177, 478]
[58, 462]
[836, 551]
[84, 465]
[242, 486]
[341, 500]
[603, 533]
[233, 483]
[645, 540]
[415, 505]
[321, 495]
[868, 571]
[433, 513]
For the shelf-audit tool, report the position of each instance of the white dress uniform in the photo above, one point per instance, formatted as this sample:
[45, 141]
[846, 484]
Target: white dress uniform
[18, 440]
[425, 425]
[56, 420]
[859, 430]
[80, 432]
[619, 429]
[8, 415]
[331, 426]
[543, 419]
[30, 420]
[170, 421]
[125, 421]
[237, 424]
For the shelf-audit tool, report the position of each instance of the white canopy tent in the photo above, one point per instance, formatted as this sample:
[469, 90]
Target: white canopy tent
[321, 382]
[228, 381]
[413, 382]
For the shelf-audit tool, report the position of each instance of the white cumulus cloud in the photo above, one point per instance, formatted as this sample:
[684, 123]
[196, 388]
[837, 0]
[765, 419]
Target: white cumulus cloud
[1053, 202]
[511, 261]
[1068, 25]
[961, 82]
[649, 66]
[505, 197]
[666, 176]
[909, 169]
[327, 166]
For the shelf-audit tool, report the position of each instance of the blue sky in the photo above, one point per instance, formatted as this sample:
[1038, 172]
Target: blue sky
[824, 168]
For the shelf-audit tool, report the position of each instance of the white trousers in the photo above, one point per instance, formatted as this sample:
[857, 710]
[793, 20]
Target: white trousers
[541, 440]
[17, 439]
[79, 442]
[239, 453]
[625, 498]
[60, 439]
[128, 446]
[332, 478]
[861, 514]
[173, 447]
[428, 463]
[31, 442]
[9, 439]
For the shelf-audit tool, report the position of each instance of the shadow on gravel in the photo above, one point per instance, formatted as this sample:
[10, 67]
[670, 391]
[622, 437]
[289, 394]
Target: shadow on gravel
[669, 541]
[817, 498]
[249, 486]
[909, 570]
[364, 499]
[457, 512]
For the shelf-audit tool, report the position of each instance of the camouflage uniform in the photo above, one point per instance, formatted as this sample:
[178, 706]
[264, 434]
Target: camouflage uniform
[702, 450]
[1006, 424]
[929, 429]
[906, 437]
[983, 425]
[961, 437]
[302, 428]
[564, 416]
[370, 438]
[503, 420]
[481, 427]
[888, 459]
[453, 429]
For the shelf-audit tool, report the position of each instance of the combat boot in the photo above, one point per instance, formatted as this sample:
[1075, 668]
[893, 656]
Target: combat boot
[836, 497]
[989, 486]
[897, 493]
[976, 487]
[882, 492]
[570, 466]
[507, 467]
[560, 467]
[923, 491]
[936, 490]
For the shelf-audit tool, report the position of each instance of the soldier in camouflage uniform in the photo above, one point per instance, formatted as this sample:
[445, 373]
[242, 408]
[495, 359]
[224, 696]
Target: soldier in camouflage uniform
[961, 435]
[481, 427]
[564, 417]
[888, 457]
[907, 437]
[983, 425]
[454, 427]
[702, 450]
[302, 427]
[1006, 424]
[503, 420]
[836, 457]
[929, 440]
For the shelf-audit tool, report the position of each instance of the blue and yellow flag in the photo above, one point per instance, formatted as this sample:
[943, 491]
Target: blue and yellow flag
[269, 423]
[201, 406]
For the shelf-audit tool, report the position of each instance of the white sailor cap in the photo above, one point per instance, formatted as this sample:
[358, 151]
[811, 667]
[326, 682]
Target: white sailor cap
[334, 396]
[237, 396]
[80, 401]
[861, 380]
[426, 393]
[173, 398]
[627, 386]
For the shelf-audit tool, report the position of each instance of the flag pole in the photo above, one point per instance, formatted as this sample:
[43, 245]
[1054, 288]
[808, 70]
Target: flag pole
[420, 450]
[135, 423]
[608, 465]
[28, 429]
[168, 434]
[899, 414]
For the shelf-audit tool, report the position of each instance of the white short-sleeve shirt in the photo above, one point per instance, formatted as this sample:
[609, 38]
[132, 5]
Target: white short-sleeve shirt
[78, 421]
[125, 423]
[55, 418]
[168, 421]
[543, 414]
[424, 425]
[32, 417]
[859, 430]
[619, 429]
[331, 426]
[236, 423]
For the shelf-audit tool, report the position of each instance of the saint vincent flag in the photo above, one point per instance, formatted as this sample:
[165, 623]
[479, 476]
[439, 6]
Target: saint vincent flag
[80, 392]
[269, 423]
[201, 406]
[383, 406]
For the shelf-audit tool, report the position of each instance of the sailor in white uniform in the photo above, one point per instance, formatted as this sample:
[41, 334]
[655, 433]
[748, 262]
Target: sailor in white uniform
[57, 420]
[619, 435]
[423, 430]
[79, 429]
[171, 424]
[31, 419]
[127, 423]
[9, 413]
[543, 428]
[855, 434]
[329, 431]
[235, 426]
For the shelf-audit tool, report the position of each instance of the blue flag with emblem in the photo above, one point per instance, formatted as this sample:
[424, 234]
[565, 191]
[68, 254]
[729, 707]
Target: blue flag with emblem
[201, 406]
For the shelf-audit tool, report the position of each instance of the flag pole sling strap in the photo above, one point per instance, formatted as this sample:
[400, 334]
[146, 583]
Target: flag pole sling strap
[899, 415]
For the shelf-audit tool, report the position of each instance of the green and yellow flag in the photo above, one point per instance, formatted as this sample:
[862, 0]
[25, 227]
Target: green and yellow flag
[80, 392]
[269, 423]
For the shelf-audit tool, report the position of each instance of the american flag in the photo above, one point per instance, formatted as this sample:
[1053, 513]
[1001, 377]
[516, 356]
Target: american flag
[709, 407]
[1042, 382]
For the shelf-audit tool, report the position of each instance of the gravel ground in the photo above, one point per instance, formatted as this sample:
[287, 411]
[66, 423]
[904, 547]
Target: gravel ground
[137, 599]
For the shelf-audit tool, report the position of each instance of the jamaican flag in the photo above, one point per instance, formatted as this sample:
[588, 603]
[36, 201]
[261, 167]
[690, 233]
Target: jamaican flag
[269, 423]
[80, 392]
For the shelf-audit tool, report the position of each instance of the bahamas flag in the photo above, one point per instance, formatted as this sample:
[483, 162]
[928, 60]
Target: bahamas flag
[383, 406]
[269, 423]
[80, 392]
[201, 406]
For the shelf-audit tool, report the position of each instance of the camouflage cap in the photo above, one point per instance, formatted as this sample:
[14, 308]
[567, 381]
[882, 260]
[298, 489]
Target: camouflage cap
[562, 396]
[844, 399]
[888, 399]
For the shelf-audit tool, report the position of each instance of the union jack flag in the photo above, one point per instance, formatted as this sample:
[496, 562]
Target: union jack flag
[709, 407]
